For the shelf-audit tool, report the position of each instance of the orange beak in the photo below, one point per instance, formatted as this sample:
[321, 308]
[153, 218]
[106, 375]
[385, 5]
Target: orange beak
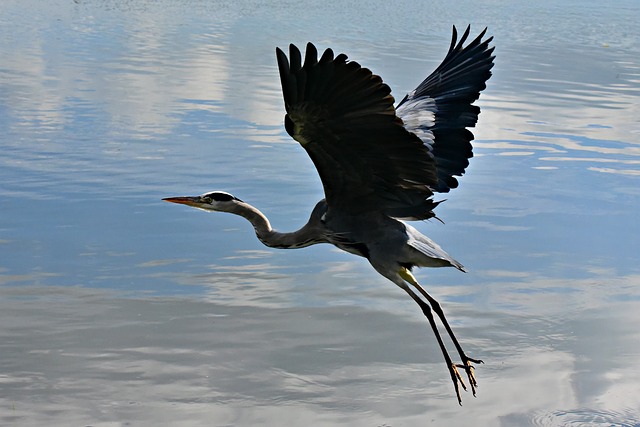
[185, 200]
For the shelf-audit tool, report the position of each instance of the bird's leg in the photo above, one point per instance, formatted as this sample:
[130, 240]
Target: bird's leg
[466, 360]
[453, 371]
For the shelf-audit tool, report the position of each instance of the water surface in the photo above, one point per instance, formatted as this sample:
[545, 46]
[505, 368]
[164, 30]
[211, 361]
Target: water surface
[119, 309]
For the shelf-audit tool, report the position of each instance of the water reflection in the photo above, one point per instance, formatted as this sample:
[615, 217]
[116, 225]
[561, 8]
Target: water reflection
[116, 309]
[238, 363]
[586, 416]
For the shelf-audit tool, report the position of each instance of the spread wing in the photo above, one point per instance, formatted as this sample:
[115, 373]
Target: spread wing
[367, 157]
[439, 110]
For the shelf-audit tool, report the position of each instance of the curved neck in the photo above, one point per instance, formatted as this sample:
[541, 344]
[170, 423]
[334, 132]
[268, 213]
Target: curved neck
[308, 235]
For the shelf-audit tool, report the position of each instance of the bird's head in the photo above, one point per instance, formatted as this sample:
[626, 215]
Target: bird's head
[214, 201]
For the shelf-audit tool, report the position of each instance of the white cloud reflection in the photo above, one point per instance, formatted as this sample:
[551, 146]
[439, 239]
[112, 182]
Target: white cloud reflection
[310, 341]
[109, 359]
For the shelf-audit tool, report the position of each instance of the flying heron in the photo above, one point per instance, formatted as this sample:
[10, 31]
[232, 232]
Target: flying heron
[379, 164]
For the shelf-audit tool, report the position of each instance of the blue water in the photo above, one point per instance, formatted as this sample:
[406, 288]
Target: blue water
[119, 309]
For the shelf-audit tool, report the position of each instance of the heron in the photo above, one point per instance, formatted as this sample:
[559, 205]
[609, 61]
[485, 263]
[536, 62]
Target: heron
[380, 164]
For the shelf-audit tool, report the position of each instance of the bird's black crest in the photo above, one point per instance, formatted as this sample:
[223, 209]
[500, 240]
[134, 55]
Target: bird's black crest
[220, 196]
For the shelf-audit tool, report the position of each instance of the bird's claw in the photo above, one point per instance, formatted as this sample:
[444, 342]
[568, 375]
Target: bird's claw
[457, 378]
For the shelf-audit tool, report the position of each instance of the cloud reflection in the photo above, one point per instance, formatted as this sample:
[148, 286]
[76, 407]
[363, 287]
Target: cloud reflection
[92, 357]
[91, 89]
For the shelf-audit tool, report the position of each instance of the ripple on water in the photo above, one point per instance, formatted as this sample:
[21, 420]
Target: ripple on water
[587, 417]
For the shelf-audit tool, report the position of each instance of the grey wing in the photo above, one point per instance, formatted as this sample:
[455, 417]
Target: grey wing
[439, 110]
[343, 116]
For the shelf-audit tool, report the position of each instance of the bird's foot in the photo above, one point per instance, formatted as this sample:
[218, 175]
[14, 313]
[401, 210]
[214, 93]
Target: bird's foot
[457, 378]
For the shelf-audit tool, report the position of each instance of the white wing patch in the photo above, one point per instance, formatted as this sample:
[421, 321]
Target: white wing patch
[418, 116]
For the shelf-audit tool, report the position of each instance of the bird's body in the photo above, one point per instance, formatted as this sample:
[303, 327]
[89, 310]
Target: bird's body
[386, 234]
[380, 164]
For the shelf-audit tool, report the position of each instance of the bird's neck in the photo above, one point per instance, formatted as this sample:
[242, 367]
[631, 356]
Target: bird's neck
[306, 236]
[259, 221]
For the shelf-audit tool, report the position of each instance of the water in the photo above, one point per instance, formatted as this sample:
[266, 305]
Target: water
[119, 309]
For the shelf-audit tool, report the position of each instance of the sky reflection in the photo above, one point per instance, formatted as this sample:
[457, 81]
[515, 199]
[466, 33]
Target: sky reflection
[117, 308]
[75, 343]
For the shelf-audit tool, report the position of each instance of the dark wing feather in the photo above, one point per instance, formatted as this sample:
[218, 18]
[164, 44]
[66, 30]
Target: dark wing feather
[370, 156]
[439, 110]
[343, 116]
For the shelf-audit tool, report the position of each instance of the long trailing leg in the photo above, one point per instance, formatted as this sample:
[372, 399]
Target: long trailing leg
[426, 309]
[466, 360]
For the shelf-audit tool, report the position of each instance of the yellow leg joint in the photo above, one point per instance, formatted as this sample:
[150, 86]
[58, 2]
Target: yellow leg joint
[406, 275]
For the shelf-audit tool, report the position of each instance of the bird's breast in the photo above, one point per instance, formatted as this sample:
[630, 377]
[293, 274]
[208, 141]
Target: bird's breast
[355, 248]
